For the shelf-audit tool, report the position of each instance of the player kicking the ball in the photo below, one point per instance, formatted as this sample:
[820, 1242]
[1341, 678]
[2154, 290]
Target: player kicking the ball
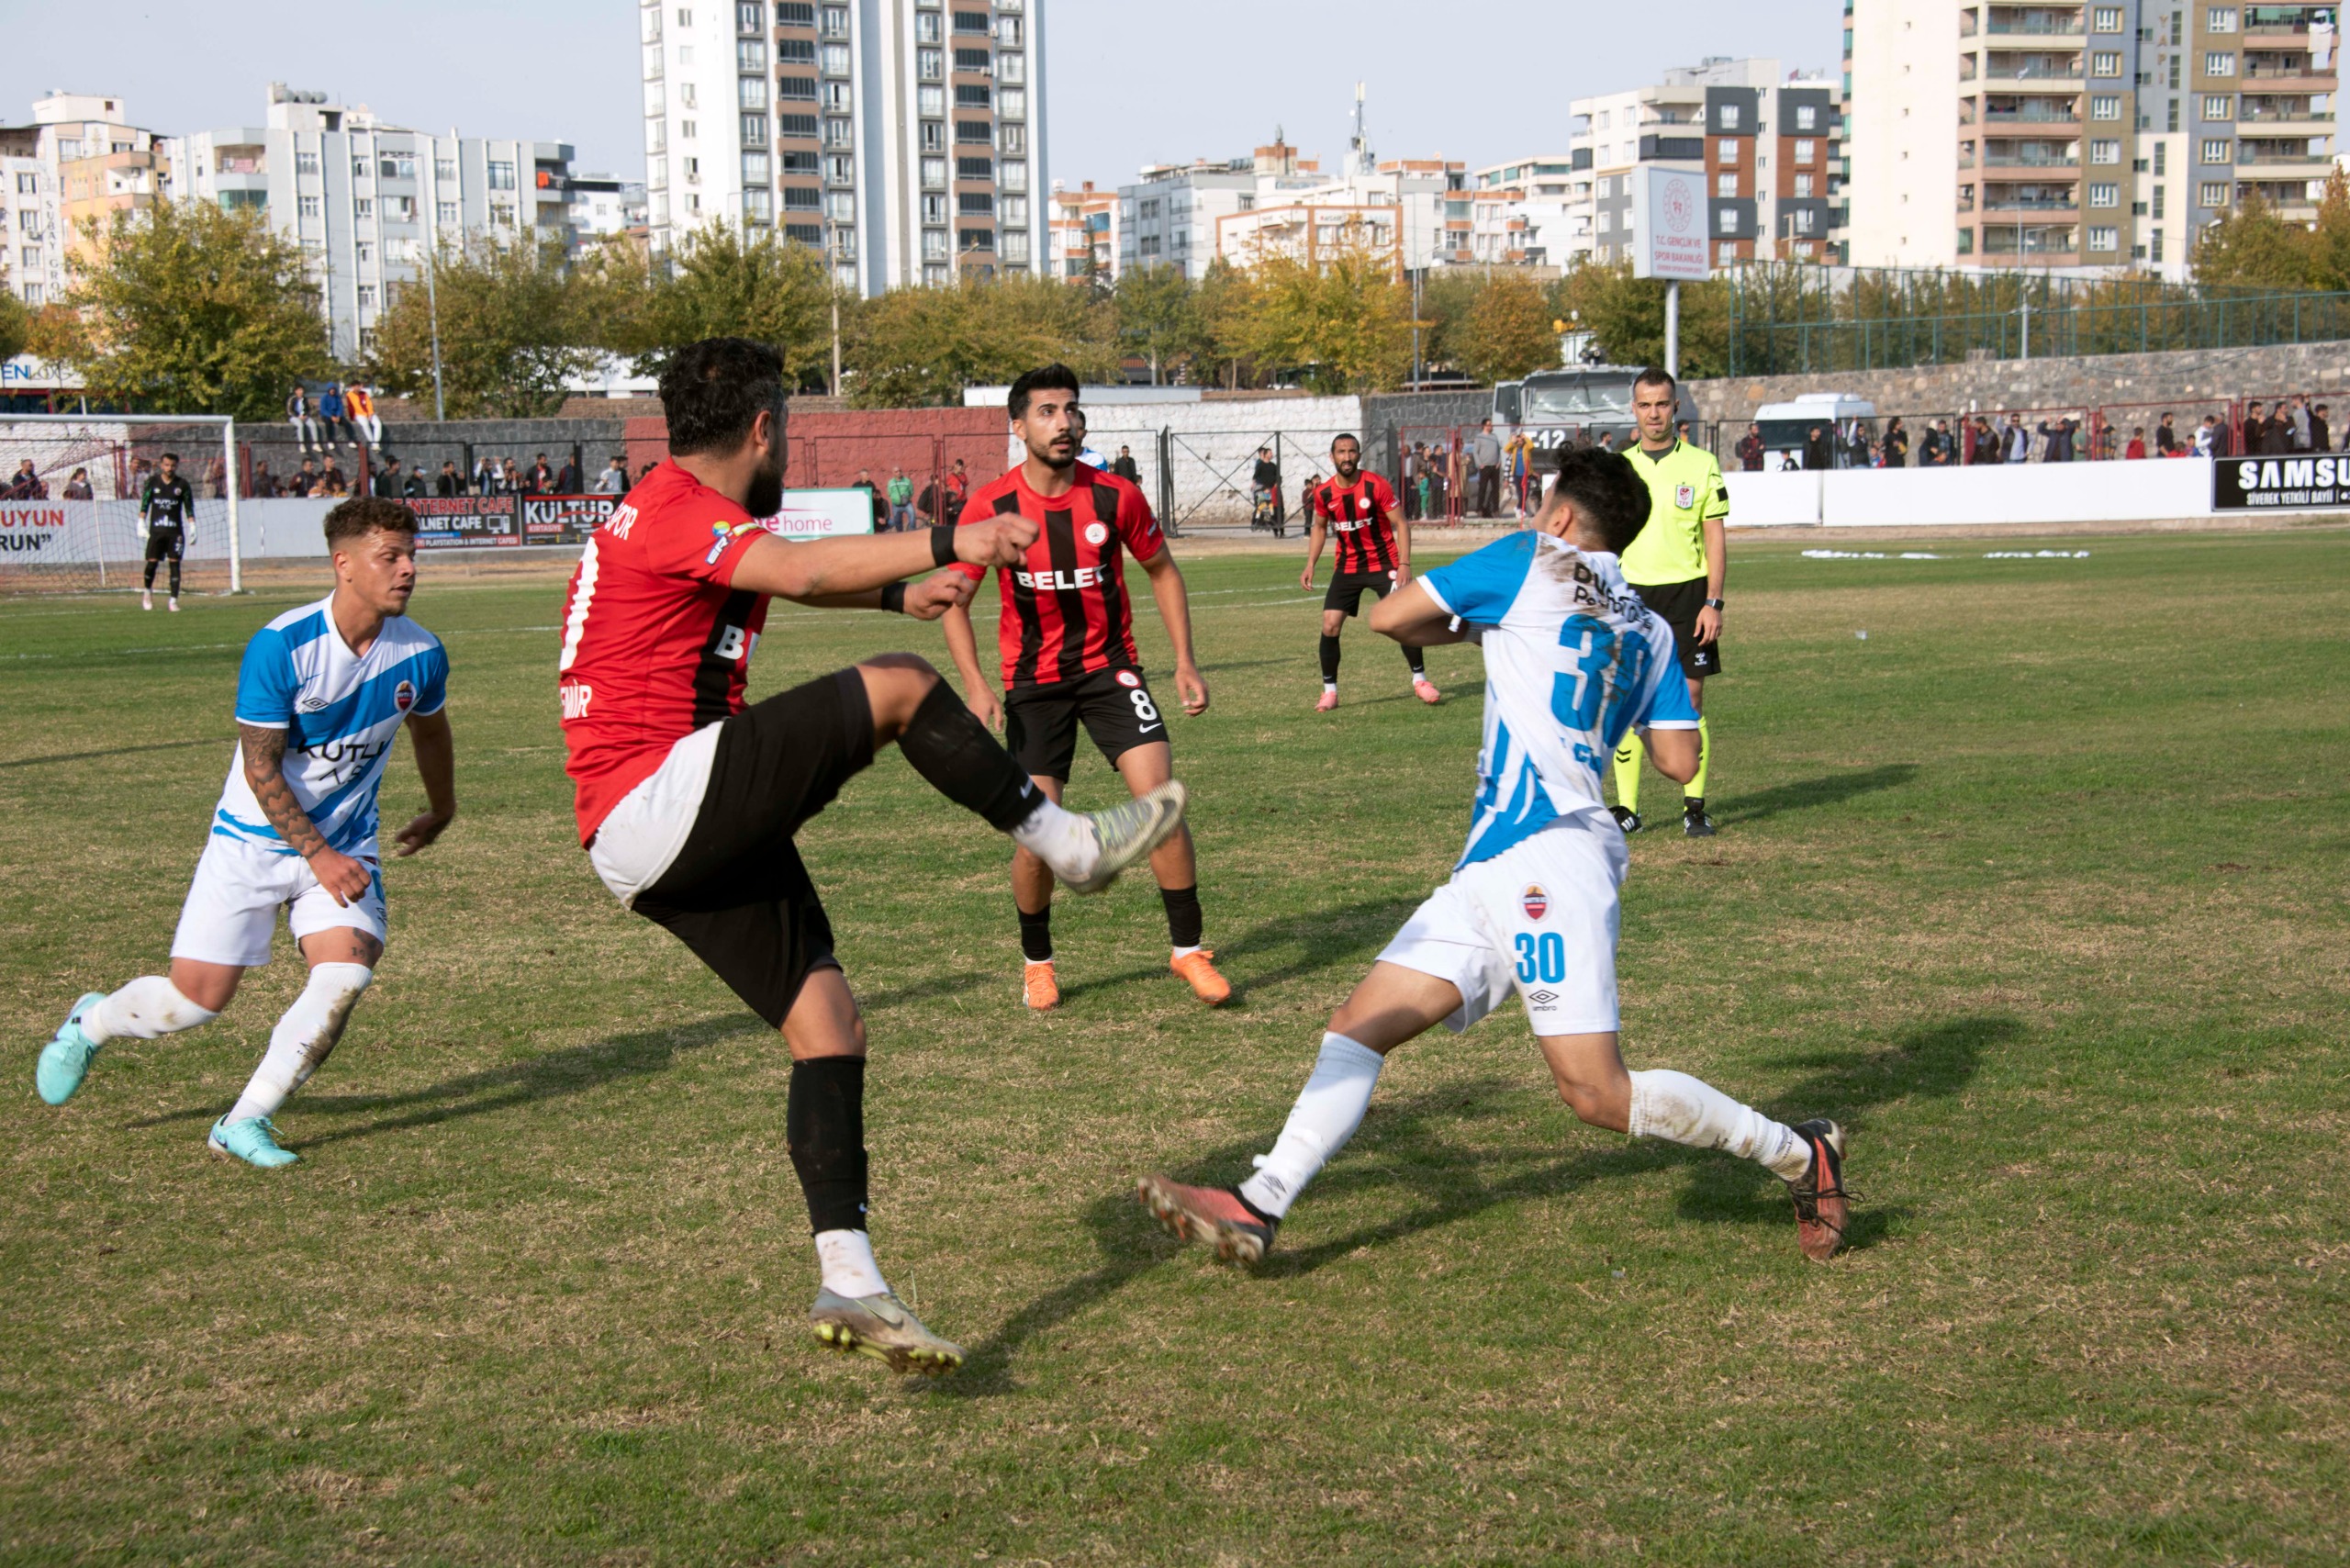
[688, 799]
[324, 690]
[1374, 557]
[1066, 637]
[1572, 662]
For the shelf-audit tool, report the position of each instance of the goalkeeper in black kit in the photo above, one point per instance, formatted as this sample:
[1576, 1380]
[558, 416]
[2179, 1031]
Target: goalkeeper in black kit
[166, 502]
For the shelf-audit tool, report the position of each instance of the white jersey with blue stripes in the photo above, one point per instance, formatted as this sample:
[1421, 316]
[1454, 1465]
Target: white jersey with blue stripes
[340, 711]
[1572, 660]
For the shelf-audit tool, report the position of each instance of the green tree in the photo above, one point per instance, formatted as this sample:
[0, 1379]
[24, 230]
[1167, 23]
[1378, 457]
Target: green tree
[513, 330]
[188, 308]
[1507, 331]
[1346, 325]
[2329, 241]
[1625, 315]
[2253, 247]
[1448, 297]
[1224, 304]
[16, 325]
[724, 282]
[918, 346]
[1156, 317]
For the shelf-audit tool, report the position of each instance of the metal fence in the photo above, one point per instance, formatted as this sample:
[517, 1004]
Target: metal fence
[1792, 320]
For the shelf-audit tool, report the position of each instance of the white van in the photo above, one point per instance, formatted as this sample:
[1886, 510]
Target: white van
[1787, 427]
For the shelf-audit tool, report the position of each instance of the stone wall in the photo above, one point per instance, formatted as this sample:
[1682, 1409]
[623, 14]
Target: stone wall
[2192, 380]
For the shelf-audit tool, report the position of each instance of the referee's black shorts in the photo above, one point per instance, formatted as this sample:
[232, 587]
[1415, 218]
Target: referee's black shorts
[737, 893]
[1679, 604]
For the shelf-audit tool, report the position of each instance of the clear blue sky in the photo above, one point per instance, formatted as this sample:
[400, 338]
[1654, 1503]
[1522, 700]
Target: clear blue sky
[1130, 83]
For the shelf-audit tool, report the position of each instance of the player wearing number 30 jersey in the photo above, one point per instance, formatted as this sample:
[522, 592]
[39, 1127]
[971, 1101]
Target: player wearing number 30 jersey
[1574, 662]
[1068, 641]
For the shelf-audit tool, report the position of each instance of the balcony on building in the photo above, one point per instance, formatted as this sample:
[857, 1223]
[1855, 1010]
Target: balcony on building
[2012, 240]
[2027, 109]
[2280, 109]
[2021, 153]
[2032, 20]
[2050, 198]
[2026, 62]
[2285, 71]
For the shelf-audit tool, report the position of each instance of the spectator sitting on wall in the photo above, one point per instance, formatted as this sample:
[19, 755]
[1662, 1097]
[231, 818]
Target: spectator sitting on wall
[2060, 439]
[77, 484]
[613, 480]
[2137, 447]
[1125, 468]
[332, 418]
[1750, 450]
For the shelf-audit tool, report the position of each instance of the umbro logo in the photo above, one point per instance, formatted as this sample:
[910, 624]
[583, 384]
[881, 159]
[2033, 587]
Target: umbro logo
[1542, 998]
[311, 704]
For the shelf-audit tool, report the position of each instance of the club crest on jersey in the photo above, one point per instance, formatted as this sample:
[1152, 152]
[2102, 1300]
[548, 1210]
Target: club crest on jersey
[1128, 680]
[1685, 495]
[1097, 533]
[1535, 902]
[404, 696]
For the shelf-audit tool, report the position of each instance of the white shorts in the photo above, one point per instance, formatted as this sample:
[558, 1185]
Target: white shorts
[641, 836]
[1541, 915]
[231, 909]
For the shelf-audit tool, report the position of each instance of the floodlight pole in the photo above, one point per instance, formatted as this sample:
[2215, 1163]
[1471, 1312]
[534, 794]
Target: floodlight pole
[236, 543]
[433, 307]
[1672, 328]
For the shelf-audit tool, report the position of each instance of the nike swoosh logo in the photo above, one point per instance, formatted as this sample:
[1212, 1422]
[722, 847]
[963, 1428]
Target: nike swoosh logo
[1145, 729]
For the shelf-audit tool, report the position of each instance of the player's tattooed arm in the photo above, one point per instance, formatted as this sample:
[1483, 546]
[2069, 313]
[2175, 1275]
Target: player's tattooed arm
[264, 749]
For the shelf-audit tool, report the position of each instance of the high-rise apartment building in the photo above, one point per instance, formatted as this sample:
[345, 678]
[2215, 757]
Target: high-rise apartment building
[1084, 234]
[367, 200]
[2094, 136]
[78, 161]
[903, 137]
[1771, 145]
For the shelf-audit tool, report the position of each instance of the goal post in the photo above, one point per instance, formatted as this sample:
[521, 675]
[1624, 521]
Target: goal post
[68, 499]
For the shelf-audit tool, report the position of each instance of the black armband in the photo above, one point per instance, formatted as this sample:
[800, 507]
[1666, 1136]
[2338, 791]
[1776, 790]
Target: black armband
[942, 545]
[893, 598]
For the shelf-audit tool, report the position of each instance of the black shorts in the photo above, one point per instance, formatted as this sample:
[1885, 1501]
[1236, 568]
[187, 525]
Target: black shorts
[737, 893]
[1040, 721]
[166, 543]
[1679, 604]
[1347, 590]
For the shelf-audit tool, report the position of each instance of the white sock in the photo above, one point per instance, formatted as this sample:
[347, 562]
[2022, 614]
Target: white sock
[1328, 1110]
[1183, 952]
[1329, 685]
[847, 1259]
[147, 1007]
[1681, 1109]
[302, 1038]
[1062, 839]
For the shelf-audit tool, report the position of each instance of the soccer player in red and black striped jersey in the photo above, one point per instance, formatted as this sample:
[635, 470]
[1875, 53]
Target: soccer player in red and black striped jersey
[689, 799]
[1374, 557]
[1067, 643]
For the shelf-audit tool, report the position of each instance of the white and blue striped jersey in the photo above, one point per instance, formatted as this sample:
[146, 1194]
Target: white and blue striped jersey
[1572, 660]
[339, 710]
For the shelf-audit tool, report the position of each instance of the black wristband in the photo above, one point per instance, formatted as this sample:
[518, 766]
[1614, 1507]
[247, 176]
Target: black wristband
[893, 596]
[942, 545]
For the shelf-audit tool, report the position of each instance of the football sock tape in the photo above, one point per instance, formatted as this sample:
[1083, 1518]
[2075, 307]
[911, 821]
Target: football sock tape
[823, 1126]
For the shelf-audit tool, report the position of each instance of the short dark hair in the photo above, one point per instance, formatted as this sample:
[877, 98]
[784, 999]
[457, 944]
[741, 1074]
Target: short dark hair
[1606, 492]
[1053, 377]
[1656, 376]
[355, 518]
[1349, 435]
[713, 392]
[171, 457]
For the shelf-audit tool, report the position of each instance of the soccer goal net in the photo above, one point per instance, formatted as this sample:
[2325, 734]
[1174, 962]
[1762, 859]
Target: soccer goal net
[74, 493]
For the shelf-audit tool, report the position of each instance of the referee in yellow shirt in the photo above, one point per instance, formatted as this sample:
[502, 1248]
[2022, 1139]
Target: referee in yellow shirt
[1678, 566]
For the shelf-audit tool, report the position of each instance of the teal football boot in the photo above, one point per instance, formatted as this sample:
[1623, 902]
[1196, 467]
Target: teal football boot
[252, 1140]
[65, 1060]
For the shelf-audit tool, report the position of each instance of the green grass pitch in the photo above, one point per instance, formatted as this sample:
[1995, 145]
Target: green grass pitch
[2041, 887]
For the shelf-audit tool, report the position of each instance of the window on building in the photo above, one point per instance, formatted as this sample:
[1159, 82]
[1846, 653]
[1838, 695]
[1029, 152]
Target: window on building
[751, 17]
[802, 198]
[930, 64]
[446, 169]
[926, 28]
[1011, 138]
[2219, 106]
[805, 162]
[971, 22]
[359, 165]
[445, 214]
[2104, 107]
[2162, 152]
[1805, 151]
[1806, 116]
[753, 130]
[1014, 176]
[2159, 192]
[803, 126]
[687, 95]
[2211, 193]
[1007, 31]
[2220, 19]
[837, 97]
[841, 206]
[934, 244]
[2220, 62]
[839, 132]
[1726, 149]
[2105, 62]
[975, 168]
[974, 132]
[1803, 187]
[930, 102]
[758, 207]
[685, 54]
[836, 60]
[933, 209]
[975, 239]
[836, 19]
[934, 135]
[934, 173]
[2105, 193]
[754, 168]
[2215, 150]
[1016, 245]
[688, 129]
[1012, 102]
[366, 292]
[2105, 239]
[751, 54]
[363, 208]
[1726, 219]
[363, 252]
[1729, 115]
[975, 204]
[2107, 19]
[501, 176]
[304, 163]
[973, 96]
[795, 52]
[1725, 182]
[1014, 212]
[2105, 151]
[972, 60]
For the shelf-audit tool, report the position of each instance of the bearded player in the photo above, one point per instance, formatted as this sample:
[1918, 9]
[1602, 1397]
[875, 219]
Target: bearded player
[1068, 644]
[324, 692]
[1572, 662]
[1374, 557]
[689, 800]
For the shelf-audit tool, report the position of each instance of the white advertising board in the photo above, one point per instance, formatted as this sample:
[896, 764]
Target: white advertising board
[1671, 242]
[822, 514]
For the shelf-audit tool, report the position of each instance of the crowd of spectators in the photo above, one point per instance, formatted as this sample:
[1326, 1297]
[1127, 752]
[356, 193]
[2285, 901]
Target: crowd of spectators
[2287, 426]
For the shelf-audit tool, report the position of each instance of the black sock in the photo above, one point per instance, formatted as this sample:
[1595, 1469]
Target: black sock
[150, 583]
[1329, 657]
[953, 752]
[1417, 659]
[824, 1126]
[1036, 935]
[175, 578]
[1183, 917]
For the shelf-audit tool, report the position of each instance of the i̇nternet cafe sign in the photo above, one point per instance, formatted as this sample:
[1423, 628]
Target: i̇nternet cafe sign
[1670, 207]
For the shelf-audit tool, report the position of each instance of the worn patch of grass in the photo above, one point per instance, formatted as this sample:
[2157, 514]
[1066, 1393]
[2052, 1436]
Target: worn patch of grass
[2039, 888]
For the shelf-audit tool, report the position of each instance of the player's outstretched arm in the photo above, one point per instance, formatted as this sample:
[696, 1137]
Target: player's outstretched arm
[1412, 617]
[263, 749]
[1175, 608]
[436, 762]
[826, 569]
[925, 600]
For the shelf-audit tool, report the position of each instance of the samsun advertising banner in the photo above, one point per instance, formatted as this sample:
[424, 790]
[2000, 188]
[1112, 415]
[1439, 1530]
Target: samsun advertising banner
[450, 522]
[2249, 483]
